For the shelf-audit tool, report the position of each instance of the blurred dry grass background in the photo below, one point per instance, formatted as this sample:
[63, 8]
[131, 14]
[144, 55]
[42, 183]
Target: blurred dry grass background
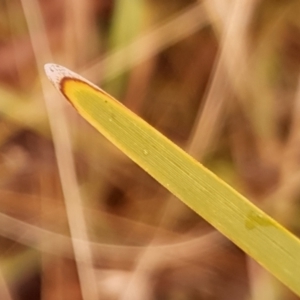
[78, 220]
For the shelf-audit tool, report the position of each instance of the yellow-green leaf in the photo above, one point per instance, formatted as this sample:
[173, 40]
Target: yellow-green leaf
[233, 215]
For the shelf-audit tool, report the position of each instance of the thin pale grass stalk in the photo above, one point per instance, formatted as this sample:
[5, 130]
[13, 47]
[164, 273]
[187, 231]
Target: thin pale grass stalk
[209, 120]
[231, 23]
[233, 36]
[112, 283]
[77, 31]
[64, 155]
[29, 205]
[238, 61]
[140, 288]
[220, 12]
[42, 240]
[261, 282]
[207, 125]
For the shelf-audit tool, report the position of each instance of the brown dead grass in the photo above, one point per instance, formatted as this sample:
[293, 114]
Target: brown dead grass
[219, 78]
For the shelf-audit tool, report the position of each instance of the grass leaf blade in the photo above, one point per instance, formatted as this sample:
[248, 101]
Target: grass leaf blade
[233, 215]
